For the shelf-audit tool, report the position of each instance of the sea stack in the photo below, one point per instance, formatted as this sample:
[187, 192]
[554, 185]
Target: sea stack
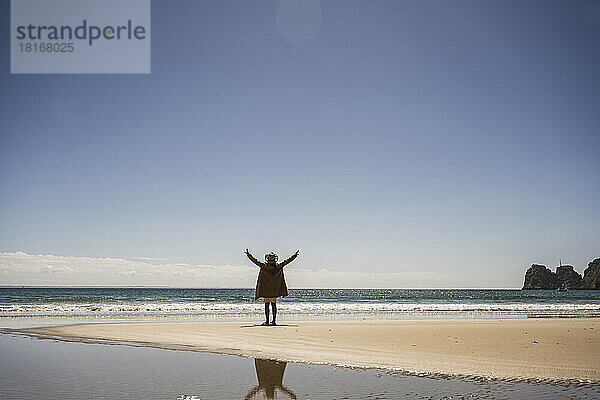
[591, 275]
[567, 277]
[540, 277]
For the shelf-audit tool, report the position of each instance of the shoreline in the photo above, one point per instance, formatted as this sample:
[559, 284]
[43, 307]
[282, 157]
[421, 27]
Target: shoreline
[545, 349]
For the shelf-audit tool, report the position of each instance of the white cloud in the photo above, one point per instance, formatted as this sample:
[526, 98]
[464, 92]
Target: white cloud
[50, 270]
[148, 258]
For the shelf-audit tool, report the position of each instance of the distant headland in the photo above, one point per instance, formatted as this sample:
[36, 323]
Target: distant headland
[565, 278]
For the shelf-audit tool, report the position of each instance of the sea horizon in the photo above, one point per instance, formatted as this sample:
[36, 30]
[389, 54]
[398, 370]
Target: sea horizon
[252, 287]
[140, 302]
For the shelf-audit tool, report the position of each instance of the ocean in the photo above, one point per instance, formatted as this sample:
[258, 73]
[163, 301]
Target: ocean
[301, 303]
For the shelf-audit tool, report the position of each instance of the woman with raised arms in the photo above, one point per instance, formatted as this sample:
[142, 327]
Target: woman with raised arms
[271, 282]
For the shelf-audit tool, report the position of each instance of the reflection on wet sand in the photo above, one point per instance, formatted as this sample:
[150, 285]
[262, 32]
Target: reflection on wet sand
[269, 374]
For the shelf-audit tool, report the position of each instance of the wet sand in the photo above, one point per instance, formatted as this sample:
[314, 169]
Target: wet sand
[53, 369]
[554, 349]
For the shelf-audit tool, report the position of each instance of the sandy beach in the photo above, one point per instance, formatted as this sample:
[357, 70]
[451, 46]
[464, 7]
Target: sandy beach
[555, 349]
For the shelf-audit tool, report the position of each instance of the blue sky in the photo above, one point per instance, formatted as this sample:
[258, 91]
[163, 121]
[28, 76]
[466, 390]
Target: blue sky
[457, 139]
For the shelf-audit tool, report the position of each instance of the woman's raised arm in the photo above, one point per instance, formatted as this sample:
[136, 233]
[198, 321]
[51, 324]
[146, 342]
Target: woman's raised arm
[289, 259]
[254, 260]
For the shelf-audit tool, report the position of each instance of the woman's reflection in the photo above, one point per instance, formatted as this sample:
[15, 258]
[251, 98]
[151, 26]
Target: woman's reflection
[269, 374]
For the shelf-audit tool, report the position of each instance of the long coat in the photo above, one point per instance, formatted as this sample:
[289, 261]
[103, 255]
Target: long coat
[271, 282]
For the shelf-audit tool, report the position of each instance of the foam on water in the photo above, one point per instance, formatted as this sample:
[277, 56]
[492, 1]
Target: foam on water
[292, 308]
[139, 302]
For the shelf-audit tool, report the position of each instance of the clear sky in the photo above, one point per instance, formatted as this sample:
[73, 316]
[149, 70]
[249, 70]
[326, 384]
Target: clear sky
[452, 143]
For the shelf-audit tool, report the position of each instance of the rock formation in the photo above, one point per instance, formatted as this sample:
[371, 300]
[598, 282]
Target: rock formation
[591, 275]
[568, 278]
[540, 277]
[565, 277]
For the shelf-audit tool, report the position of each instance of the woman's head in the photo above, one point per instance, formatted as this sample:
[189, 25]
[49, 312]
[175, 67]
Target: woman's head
[271, 258]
